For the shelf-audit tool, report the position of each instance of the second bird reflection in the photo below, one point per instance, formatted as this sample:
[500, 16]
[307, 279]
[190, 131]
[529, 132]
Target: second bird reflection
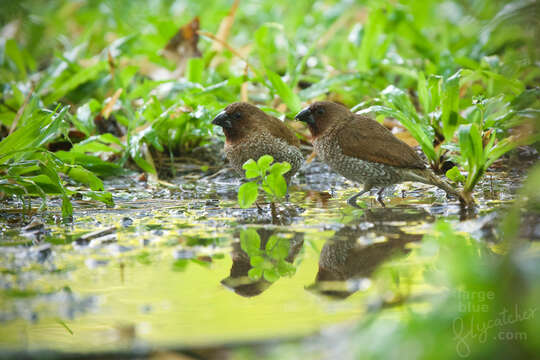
[346, 262]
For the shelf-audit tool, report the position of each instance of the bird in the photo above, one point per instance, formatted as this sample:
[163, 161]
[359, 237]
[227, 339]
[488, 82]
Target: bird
[364, 151]
[251, 133]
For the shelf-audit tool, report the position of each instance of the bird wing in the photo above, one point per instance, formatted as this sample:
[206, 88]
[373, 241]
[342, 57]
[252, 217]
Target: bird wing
[278, 129]
[366, 139]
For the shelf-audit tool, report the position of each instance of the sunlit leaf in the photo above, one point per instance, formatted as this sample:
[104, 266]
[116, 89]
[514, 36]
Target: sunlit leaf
[372, 31]
[194, 70]
[37, 131]
[450, 105]
[280, 168]
[423, 92]
[81, 77]
[247, 194]
[251, 168]
[14, 53]
[455, 175]
[264, 163]
[256, 261]
[283, 90]
[80, 174]
[102, 196]
[276, 185]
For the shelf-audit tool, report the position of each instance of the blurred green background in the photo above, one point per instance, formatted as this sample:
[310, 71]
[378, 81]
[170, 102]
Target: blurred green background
[461, 76]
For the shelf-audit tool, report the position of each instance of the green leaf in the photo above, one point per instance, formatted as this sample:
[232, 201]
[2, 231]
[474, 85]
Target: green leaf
[77, 79]
[95, 144]
[285, 268]
[251, 168]
[67, 208]
[247, 194]
[255, 273]
[265, 44]
[264, 163]
[423, 93]
[80, 174]
[278, 248]
[195, 69]
[143, 164]
[135, 144]
[251, 174]
[434, 91]
[102, 196]
[373, 29]
[48, 170]
[289, 97]
[84, 119]
[280, 168]
[271, 275]
[455, 175]
[35, 132]
[257, 261]
[526, 99]
[399, 100]
[250, 241]
[13, 52]
[470, 144]
[450, 105]
[276, 185]
[324, 86]
[92, 163]
[472, 152]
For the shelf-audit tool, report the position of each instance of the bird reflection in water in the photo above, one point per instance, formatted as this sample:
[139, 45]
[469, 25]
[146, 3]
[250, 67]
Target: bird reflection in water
[239, 281]
[350, 257]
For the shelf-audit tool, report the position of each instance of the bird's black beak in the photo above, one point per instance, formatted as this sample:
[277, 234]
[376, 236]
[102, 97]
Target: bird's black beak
[223, 120]
[306, 116]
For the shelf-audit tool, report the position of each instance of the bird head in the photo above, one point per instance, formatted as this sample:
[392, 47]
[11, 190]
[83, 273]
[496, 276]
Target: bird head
[321, 115]
[238, 119]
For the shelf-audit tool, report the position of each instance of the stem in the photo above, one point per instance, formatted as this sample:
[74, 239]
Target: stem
[275, 219]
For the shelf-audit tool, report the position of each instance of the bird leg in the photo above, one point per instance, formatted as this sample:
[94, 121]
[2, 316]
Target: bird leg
[352, 200]
[380, 197]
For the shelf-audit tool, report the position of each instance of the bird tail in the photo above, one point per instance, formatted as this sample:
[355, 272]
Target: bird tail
[427, 176]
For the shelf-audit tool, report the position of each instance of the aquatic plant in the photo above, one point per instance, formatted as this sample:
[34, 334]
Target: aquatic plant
[265, 175]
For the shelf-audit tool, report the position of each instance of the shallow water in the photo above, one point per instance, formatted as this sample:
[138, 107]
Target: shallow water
[171, 270]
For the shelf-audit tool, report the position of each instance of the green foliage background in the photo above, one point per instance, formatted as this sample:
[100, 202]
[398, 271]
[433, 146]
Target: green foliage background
[437, 67]
[460, 75]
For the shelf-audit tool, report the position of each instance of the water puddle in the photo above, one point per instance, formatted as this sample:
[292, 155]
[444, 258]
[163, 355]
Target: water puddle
[183, 266]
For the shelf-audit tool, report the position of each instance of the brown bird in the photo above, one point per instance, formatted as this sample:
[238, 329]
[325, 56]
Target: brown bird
[364, 151]
[251, 133]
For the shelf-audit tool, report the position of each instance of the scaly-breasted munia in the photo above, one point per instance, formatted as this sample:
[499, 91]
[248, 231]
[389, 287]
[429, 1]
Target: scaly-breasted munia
[251, 133]
[364, 151]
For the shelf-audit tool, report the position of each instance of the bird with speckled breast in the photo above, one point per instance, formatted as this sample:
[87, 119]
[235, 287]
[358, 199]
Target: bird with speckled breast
[251, 133]
[364, 151]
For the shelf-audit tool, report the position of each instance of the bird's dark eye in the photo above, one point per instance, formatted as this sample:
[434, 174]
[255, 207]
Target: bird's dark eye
[237, 115]
[320, 111]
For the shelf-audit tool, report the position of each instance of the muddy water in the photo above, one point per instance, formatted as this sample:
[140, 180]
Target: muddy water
[183, 266]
